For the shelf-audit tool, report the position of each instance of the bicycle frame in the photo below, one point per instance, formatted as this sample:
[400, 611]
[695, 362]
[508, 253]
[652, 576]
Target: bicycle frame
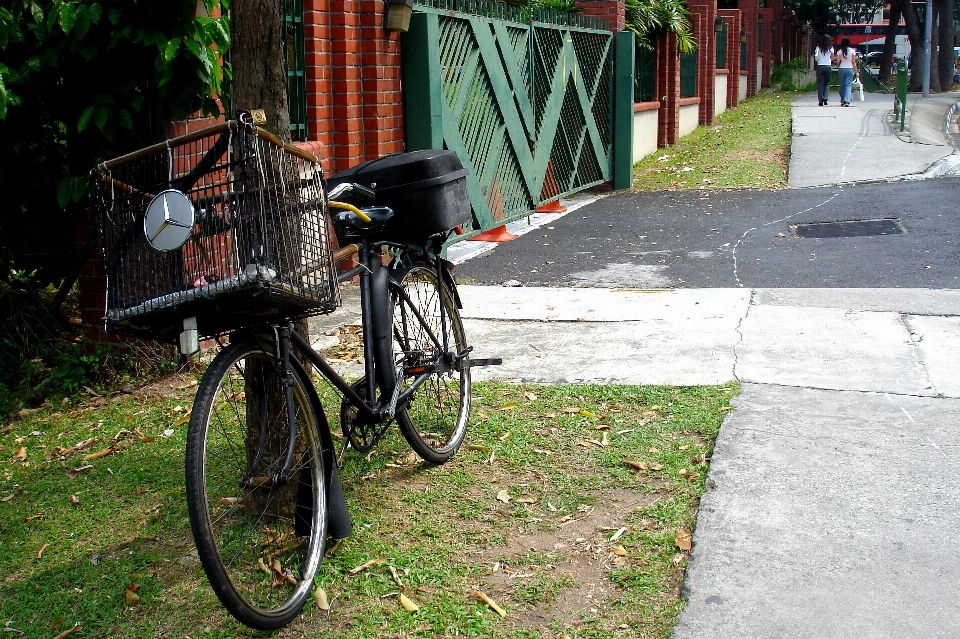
[372, 274]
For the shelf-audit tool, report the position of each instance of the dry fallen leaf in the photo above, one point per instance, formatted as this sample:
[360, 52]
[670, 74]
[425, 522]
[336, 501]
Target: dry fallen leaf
[507, 406]
[585, 413]
[369, 564]
[620, 551]
[70, 631]
[482, 414]
[635, 464]
[42, 548]
[526, 500]
[479, 447]
[503, 496]
[531, 396]
[74, 500]
[654, 451]
[21, 453]
[605, 441]
[408, 604]
[320, 596]
[490, 602]
[130, 595]
[183, 420]
[656, 466]
[684, 540]
[77, 471]
[396, 577]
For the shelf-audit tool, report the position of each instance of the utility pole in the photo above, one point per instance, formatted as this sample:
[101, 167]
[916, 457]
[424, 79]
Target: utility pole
[927, 33]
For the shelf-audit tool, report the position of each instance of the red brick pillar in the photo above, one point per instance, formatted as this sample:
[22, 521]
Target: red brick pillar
[732, 18]
[703, 13]
[354, 102]
[380, 81]
[769, 20]
[668, 89]
[749, 10]
[610, 10]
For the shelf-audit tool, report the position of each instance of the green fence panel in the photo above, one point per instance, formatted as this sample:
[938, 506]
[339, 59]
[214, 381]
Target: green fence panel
[296, 68]
[722, 45]
[646, 75]
[688, 75]
[527, 106]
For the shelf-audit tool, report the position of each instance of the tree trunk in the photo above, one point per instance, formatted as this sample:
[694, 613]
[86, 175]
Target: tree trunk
[889, 43]
[946, 59]
[934, 29]
[258, 61]
[915, 33]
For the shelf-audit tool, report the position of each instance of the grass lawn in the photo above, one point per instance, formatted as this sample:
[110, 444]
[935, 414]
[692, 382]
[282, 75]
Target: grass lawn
[747, 147]
[538, 511]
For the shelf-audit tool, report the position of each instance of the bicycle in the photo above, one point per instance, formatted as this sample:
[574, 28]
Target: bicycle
[261, 468]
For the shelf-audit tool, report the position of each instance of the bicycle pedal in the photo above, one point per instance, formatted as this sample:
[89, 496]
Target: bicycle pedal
[490, 361]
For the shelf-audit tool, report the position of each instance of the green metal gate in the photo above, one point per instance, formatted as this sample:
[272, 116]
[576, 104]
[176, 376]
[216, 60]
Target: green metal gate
[527, 105]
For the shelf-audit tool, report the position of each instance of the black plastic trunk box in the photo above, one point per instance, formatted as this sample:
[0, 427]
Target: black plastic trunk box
[427, 191]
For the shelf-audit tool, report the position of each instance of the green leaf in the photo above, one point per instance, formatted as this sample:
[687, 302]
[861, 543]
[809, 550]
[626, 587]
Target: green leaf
[37, 12]
[68, 17]
[85, 118]
[95, 12]
[114, 16]
[63, 192]
[79, 189]
[171, 49]
[124, 119]
[82, 23]
[100, 117]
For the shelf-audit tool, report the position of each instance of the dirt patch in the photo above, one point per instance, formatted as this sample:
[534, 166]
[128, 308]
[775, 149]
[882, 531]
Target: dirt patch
[563, 575]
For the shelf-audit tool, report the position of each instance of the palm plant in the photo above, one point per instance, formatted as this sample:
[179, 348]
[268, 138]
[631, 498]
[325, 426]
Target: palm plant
[647, 18]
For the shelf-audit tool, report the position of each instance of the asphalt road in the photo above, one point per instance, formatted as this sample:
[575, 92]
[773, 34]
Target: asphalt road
[719, 239]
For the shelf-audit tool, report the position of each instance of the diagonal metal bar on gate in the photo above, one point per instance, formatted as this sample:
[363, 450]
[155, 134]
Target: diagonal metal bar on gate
[513, 74]
[586, 105]
[549, 123]
[508, 107]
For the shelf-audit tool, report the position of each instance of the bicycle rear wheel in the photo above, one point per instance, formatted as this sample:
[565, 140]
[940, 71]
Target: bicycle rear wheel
[260, 544]
[434, 422]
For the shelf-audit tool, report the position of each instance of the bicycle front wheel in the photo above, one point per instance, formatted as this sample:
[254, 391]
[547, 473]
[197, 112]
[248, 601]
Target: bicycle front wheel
[434, 422]
[260, 540]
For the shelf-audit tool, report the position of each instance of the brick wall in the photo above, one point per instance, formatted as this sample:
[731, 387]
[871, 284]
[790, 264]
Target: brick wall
[354, 100]
[749, 10]
[610, 10]
[732, 18]
[704, 12]
[668, 89]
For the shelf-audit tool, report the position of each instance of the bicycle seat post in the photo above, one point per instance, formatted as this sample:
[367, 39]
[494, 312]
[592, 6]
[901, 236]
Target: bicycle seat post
[366, 314]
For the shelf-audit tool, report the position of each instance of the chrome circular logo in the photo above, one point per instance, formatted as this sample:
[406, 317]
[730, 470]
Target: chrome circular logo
[168, 222]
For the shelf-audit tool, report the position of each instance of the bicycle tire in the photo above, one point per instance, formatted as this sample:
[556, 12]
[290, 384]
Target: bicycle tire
[434, 421]
[260, 545]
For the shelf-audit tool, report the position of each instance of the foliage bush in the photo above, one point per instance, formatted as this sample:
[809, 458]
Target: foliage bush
[787, 74]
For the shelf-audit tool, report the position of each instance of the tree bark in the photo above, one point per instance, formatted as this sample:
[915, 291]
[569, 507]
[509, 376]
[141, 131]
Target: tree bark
[946, 59]
[915, 33]
[258, 61]
[889, 43]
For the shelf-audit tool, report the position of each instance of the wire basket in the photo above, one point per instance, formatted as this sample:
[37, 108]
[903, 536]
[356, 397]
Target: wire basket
[226, 224]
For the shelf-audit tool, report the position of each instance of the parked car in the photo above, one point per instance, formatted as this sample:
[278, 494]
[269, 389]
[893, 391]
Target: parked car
[873, 57]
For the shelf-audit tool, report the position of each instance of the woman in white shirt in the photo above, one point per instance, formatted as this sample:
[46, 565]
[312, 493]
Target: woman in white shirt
[823, 55]
[847, 68]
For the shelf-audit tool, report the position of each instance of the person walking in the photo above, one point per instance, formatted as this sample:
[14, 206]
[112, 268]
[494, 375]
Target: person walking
[823, 55]
[846, 58]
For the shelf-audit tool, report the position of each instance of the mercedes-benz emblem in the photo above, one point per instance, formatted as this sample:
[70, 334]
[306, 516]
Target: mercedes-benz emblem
[168, 222]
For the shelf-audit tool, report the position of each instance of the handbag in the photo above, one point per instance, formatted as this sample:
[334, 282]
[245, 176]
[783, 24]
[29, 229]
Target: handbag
[858, 85]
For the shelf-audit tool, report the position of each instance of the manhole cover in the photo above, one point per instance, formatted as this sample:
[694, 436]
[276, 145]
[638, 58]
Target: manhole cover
[850, 228]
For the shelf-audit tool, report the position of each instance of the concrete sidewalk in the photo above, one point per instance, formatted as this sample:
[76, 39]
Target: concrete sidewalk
[833, 499]
[860, 143]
